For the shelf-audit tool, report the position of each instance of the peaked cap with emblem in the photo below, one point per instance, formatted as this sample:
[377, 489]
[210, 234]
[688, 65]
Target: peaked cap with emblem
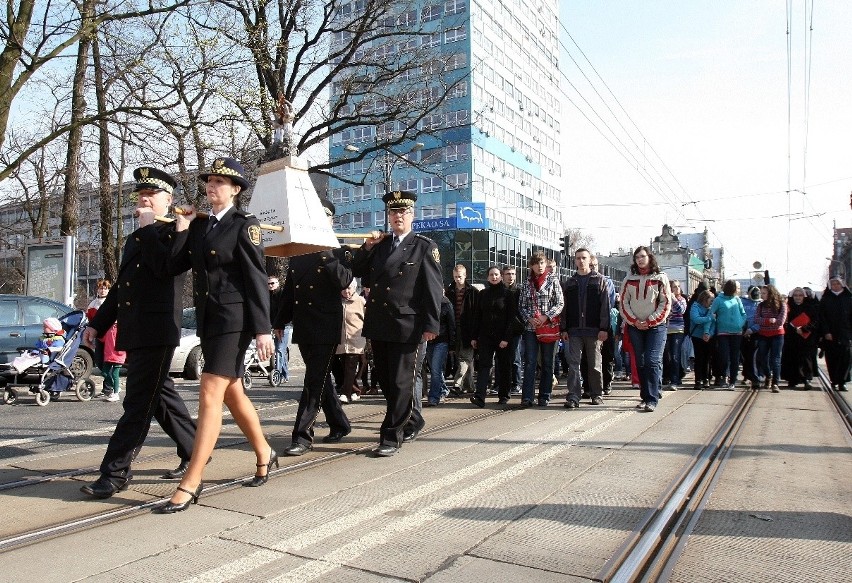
[229, 168]
[148, 178]
[328, 206]
[400, 199]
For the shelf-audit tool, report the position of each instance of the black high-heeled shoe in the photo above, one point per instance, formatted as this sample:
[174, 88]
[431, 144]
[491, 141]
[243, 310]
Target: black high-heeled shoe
[170, 507]
[261, 480]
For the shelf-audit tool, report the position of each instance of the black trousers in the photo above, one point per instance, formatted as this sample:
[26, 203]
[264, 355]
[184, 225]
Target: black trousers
[838, 361]
[489, 350]
[318, 393]
[150, 394]
[395, 369]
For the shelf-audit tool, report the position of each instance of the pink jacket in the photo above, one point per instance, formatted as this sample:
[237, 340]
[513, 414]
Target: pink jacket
[112, 355]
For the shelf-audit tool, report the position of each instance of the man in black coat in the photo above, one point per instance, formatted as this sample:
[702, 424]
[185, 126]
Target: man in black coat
[311, 301]
[145, 301]
[403, 312]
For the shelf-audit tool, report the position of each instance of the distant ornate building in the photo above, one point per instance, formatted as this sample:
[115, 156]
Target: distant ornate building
[841, 259]
[686, 257]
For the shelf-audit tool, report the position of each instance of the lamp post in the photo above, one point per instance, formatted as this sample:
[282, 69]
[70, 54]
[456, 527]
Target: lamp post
[389, 160]
[840, 273]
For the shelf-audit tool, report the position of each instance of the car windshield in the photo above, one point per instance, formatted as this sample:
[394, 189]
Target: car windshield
[188, 320]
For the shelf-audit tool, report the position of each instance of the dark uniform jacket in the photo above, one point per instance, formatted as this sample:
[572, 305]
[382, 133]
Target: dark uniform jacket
[311, 296]
[405, 289]
[229, 274]
[146, 298]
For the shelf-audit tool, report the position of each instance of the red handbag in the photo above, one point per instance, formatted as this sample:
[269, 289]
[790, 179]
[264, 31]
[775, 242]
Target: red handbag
[548, 332]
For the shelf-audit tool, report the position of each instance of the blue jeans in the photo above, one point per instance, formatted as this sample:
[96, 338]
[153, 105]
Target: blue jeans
[648, 347]
[769, 357]
[436, 354]
[281, 351]
[517, 362]
[532, 347]
[671, 359]
[728, 351]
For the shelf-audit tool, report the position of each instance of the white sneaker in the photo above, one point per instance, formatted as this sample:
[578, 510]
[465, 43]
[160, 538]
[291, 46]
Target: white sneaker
[112, 398]
[344, 399]
[354, 397]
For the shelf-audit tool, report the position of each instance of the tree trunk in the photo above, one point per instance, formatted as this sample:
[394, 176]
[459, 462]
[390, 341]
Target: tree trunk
[71, 195]
[105, 188]
[18, 28]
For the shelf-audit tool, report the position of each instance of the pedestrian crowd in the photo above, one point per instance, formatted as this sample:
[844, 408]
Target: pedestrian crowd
[408, 336]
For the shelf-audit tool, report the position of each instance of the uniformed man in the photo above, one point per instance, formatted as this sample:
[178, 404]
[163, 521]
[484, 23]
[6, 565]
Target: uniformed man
[311, 301]
[145, 301]
[403, 311]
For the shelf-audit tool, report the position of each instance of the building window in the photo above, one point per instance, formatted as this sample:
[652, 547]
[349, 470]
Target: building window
[458, 90]
[457, 118]
[430, 13]
[431, 184]
[455, 34]
[431, 212]
[454, 7]
[455, 152]
[457, 181]
[431, 40]
[359, 220]
[379, 219]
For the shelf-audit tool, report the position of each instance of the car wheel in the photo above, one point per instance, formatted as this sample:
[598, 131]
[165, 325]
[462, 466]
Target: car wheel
[85, 389]
[247, 380]
[81, 366]
[194, 364]
[275, 377]
[42, 398]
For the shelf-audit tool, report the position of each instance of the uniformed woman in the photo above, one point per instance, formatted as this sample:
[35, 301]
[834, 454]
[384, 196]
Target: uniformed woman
[232, 308]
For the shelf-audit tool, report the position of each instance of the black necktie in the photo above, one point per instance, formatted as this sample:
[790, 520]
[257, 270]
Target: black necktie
[395, 243]
[211, 223]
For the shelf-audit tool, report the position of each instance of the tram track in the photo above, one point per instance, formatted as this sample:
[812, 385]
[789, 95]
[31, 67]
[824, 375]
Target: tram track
[651, 551]
[101, 518]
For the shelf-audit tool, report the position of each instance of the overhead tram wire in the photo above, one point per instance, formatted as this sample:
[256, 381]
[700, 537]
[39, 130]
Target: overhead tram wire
[645, 140]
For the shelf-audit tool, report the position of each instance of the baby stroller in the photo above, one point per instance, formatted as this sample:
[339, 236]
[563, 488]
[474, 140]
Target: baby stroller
[55, 377]
[257, 368]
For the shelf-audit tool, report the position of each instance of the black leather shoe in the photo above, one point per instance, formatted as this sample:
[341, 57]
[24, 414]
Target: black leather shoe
[104, 488]
[298, 449]
[261, 480]
[409, 437]
[478, 401]
[170, 507]
[335, 436]
[179, 471]
[386, 450]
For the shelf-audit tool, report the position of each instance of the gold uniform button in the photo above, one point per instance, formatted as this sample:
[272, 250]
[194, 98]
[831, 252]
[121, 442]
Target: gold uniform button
[137, 238]
[296, 302]
[319, 270]
[127, 284]
[388, 289]
[297, 286]
[400, 273]
[212, 252]
[138, 266]
[311, 287]
[372, 301]
[190, 252]
[126, 303]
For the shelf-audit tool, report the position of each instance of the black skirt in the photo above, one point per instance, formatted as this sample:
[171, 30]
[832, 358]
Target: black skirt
[224, 355]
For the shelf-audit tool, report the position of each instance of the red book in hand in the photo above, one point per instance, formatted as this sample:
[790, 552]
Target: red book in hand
[801, 321]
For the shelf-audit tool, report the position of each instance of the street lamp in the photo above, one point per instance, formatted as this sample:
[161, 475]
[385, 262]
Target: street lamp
[841, 273]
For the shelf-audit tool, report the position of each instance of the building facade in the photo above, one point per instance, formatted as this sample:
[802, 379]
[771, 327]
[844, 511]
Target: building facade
[486, 173]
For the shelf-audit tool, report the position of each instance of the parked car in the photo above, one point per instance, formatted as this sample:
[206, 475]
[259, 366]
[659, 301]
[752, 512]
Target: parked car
[21, 319]
[188, 360]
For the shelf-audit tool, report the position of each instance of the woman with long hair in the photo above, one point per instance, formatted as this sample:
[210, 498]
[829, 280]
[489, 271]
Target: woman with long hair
[492, 332]
[645, 306]
[770, 317]
[702, 327]
[672, 370]
[730, 322]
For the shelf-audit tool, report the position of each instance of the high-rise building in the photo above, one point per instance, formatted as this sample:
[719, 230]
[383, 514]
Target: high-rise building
[487, 171]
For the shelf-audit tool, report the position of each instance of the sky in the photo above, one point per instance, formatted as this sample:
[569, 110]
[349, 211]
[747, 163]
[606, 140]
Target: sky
[697, 93]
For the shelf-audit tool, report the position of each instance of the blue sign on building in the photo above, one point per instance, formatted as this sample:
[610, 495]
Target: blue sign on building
[434, 224]
[471, 215]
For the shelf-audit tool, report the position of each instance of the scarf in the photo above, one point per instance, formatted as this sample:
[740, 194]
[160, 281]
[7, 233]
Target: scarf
[538, 280]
